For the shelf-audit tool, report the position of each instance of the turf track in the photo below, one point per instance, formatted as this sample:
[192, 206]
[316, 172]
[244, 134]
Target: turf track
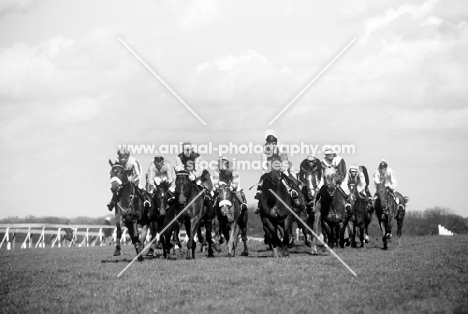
[416, 275]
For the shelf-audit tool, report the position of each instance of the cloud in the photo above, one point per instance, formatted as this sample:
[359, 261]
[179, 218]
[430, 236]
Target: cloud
[15, 6]
[416, 12]
[227, 63]
[194, 14]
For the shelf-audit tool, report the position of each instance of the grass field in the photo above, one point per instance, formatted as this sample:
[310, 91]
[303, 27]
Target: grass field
[416, 275]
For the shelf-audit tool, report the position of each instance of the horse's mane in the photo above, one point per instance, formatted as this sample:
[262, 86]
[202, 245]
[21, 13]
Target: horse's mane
[164, 185]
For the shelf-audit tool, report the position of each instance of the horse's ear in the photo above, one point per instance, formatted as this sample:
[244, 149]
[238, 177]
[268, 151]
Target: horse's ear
[110, 163]
[406, 199]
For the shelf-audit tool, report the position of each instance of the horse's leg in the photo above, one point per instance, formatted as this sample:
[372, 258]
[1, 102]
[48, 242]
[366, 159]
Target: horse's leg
[327, 232]
[399, 218]
[383, 228]
[361, 236]
[290, 243]
[352, 231]
[286, 241]
[194, 226]
[231, 241]
[118, 225]
[271, 234]
[136, 239]
[190, 235]
[243, 228]
[208, 230]
[366, 225]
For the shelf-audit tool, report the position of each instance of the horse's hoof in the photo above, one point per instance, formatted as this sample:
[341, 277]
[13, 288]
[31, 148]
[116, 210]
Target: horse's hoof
[140, 258]
[150, 253]
[229, 255]
[308, 244]
[314, 250]
[117, 253]
[398, 233]
[385, 247]
[245, 253]
[353, 245]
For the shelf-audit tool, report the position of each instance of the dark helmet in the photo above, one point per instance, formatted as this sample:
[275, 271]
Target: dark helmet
[383, 164]
[271, 136]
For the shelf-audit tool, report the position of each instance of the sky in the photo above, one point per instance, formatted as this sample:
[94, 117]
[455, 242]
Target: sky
[71, 92]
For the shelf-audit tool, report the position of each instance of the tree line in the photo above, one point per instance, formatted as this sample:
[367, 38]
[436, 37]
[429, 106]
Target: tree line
[416, 223]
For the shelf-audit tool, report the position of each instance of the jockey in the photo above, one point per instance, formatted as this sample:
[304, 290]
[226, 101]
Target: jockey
[357, 175]
[133, 170]
[189, 161]
[231, 178]
[332, 160]
[310, 165]
[386, 176]
[160, 170]
[271, 151]
[354, 176]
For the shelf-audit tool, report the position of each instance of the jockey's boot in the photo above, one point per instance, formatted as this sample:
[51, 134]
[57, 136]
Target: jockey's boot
[242, 200]
[291, 191]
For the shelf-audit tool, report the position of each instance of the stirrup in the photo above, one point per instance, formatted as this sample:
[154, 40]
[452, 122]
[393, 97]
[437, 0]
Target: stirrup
[293, 194]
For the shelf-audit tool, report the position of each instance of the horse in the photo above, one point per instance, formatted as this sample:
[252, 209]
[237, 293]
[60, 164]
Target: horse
[358, 217]
[273, 213]
[160, 205]
[185, 192]
[387, 209]
[129, 207]
[232, 220]
[313, 220]
[332, 209]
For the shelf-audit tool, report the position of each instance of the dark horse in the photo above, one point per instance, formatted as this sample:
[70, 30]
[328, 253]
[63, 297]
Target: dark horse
[185, 192]
[130, 204]
[387, 209]
[359, 216]
[310, 175]
[161, 205]
[332, 209]
[232, 220]
[273, 213]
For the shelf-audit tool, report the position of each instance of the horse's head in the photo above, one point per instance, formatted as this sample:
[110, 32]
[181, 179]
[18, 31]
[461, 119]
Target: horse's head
[310, 184]
[182, 189]
[118, 176]
[330, 180]
[161, 196]
[225, 200]
[352, 192]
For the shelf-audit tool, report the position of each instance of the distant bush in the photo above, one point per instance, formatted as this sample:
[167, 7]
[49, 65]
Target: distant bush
[416, 223]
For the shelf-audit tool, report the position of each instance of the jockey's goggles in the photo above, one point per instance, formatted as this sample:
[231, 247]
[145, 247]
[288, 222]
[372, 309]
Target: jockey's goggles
[159, 159]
